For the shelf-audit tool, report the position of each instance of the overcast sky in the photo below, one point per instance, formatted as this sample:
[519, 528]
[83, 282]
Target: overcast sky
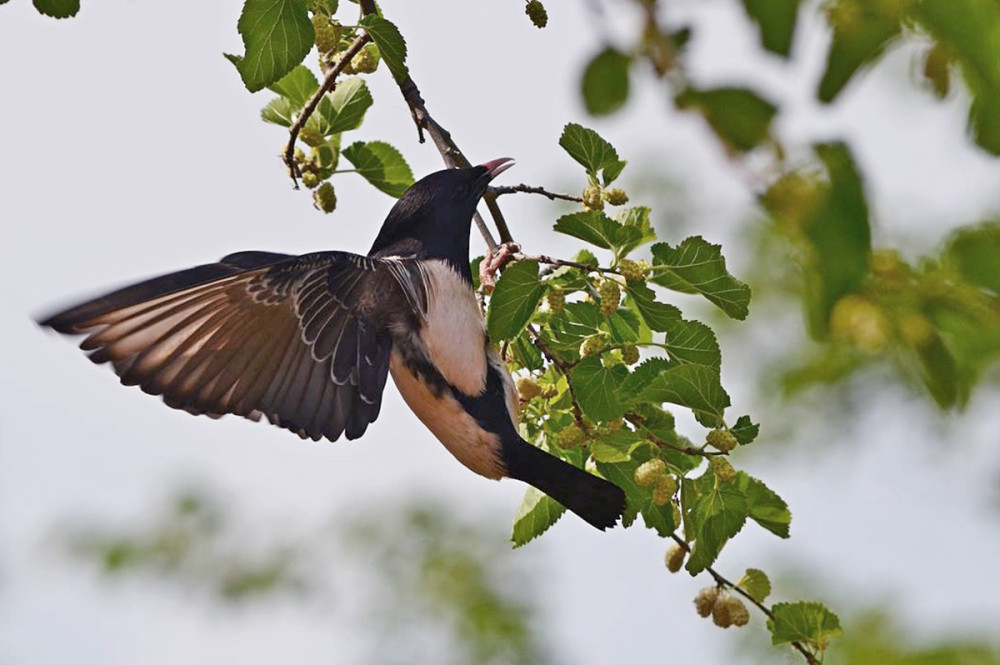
[128, 147]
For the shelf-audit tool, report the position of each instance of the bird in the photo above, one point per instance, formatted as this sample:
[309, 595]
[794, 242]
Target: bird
[308, 341]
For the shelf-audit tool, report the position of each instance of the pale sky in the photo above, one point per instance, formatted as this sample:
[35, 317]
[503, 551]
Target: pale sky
[128, 147]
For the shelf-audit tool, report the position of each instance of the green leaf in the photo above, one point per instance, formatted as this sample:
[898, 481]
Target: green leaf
[514, 300]
[277, 35]
[806, 622]
[693, 386]
[344, 108]
[297, 85]
[611, 171]
[972, 252]
[391, 45]
[57, 8]
[644, 374]
[590, 150]
[745, 430]
[939, 372]
[381, 165]
[635, 229]
[605, 82]
[697, 266]
[861, 33]
[597, 388]
[614, 446]
[739, 116]
[591, 226]
[280, 111]
[526, 354]
[692, 342]
[534, 516]
[657, 315]
[839, 235]
[765, 507]
[639, 500]
[755, 583]
[776, 19]
[716, 512]
[577, 321]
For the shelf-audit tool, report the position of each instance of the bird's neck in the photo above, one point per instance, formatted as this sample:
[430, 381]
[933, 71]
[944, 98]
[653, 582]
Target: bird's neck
[452, 248]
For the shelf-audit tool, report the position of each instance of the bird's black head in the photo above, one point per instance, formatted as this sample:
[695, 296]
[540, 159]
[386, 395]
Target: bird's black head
[433, 218]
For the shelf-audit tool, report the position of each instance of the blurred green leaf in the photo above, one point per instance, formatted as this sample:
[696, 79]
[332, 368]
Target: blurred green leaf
[606, 82]
[597, 388]
[57, 8]
[391, 45]
[277, 35]
[382, 165]
[697, 266]
[861, 33]
[297, 85]
[739, 116]
[974, 252]
[812, 623]
[534, 516]
[514, 300]
[776, 19]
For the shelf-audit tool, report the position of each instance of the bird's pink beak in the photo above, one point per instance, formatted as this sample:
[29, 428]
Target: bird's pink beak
[497, 166]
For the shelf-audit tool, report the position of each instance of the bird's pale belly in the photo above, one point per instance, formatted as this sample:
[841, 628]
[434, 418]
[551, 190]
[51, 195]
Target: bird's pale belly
[471, 445]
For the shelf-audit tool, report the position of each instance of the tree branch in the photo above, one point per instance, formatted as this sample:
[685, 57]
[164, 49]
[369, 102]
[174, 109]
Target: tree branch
[329, 83]
[527, 189]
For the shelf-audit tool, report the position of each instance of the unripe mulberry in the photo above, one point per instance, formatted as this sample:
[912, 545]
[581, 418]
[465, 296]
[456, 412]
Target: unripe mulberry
[311, 136]
[591, 346]
[366, 60]
[667, 484]
[705, 600]
[661, 495]
[310, 179]
[722, 614]
[570, 437]
[677, 515]
[741, 615]
[721, 439]
[633, 271]
[674, 558]
[592, 198]
[536, 12]
[722, 469]
[327, 35]
[611, 294]
[630, 354]
[528, 388]
[325, 198]
[556, 298]
[616, 197]
[647, 473]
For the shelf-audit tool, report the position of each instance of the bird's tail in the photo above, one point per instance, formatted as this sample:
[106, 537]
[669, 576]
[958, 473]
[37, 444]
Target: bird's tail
[596, 500]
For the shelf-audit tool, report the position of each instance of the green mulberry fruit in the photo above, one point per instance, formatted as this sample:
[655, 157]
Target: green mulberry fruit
[722, 612]
[611, 295]
[674, 558]
[705, 601]
[310, 179]
[311, 136]
[739, 612]
[327, 34]
[647, 473]
[556, 298]
[570, 437]
[325, 198]
[592, 346]
[592, 198]
[630, 354]
[616, 197]
[366, 61]
[634, 271]
[722, 469]
[536, 12]
[721, 439]
[528, 388]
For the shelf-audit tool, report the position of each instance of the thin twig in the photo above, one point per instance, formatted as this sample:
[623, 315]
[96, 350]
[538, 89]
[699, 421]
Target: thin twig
[548, 260]
[329, 83]
[528, 189]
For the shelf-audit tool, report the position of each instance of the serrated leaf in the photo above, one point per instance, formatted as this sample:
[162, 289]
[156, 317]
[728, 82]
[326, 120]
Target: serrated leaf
[382, 165]
[534, 516]
[577, 321]
[57, 8]
[693, 386]
[514, 300]
[391, 45]
[657, 315]
[277, 35]
[611, 171]
[597, 388]
[344, 108]
[624, 327]
[297, 85]
[776, 20]
[755, 583]
[692, 342]
[605, 82]
[635, 230]
[697, 266]
[812, 623]
[716, 512]
[765, 507]
[861, 33]
[591, 226]
[590, 150]
[280, 111]
[740, 117]
[526, 354]
[745, 430]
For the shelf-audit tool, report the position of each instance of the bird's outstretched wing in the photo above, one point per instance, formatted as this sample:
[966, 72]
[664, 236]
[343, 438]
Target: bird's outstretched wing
[298, 339]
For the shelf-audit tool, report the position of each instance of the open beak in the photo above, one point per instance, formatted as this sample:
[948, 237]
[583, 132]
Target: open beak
[497, 166]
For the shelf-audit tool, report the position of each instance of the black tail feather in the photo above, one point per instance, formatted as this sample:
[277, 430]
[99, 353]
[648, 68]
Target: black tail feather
[599, 502]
